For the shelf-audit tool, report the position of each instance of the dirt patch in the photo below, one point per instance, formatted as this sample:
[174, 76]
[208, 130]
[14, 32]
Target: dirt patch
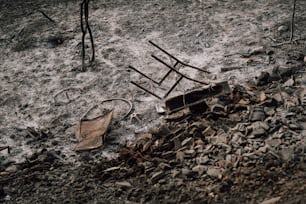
[44, 92]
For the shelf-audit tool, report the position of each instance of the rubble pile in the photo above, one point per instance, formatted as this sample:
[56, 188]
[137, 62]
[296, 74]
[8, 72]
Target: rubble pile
[214, 136]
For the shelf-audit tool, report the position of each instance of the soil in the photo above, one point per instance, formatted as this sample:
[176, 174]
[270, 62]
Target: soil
[44, 92]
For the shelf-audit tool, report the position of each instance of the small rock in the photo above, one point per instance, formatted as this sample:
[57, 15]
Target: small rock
[177, 142]
[200, 169]
[202, 160]
[259, 132]
[164, 166]
[180, 156]
[271, 201]
[199, 34]
[288, 83]
[214, 172]
[168, 155]
[190, 153]
[187, 172]
[270, 111]
[123, 184]
[257, 114]
[157, 176]
[263, 79]
[282, 28]
[112, 169]
[175, 173]
[287, 154]
[11, 169]
[209, 131]
[220, 138]
[278, 97]
[160, 108]
[188, 142]
[199, 148]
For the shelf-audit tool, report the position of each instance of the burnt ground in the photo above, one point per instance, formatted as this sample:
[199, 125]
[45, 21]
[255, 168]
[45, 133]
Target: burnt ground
[44, 92]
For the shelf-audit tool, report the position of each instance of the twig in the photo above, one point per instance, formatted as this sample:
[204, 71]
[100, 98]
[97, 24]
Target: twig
[288, 42]
[45, 15]
[292, 20]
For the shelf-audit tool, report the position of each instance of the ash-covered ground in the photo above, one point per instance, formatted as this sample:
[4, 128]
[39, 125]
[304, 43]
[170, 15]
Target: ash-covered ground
[44, 92]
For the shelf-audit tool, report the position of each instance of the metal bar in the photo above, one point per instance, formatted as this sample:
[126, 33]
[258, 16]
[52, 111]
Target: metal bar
[193, 67]
[187, 65]
[45, 15]
[142, 74]
[146, 90]
[201, 82]
[171, 89]
[161, 81]
[152, 43]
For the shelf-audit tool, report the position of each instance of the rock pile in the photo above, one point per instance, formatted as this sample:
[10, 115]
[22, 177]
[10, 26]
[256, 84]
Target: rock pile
[229, 132]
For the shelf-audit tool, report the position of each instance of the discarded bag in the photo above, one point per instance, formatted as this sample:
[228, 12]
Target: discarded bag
[91, 132]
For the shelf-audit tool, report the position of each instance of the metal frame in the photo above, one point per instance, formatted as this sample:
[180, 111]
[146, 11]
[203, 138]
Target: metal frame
[171, 69]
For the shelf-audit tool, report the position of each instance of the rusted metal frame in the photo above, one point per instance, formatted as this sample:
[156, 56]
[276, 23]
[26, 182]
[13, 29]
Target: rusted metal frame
[179, 61]
[187, 77]
[156, 82]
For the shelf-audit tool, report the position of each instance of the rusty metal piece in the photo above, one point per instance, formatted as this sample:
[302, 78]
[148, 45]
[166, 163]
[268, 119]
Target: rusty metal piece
[171, 69]
[195, 100]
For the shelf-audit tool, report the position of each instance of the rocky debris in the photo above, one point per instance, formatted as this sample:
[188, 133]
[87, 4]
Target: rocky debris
[236, 129]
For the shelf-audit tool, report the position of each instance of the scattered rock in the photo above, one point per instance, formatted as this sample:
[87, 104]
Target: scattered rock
[271, 200]
[199, 169]
[214, 172]
[157, 176]
[123, 184]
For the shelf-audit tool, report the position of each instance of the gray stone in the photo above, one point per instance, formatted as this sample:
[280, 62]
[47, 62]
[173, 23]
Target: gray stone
[190, 153]
[157, 176]
[200, 169]
[214, 172]
[123, 184]
[164, 166]
[202, 160]
[283, 28]
[180, 156]
[187, 172]
[270, 111]
[188, 142]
